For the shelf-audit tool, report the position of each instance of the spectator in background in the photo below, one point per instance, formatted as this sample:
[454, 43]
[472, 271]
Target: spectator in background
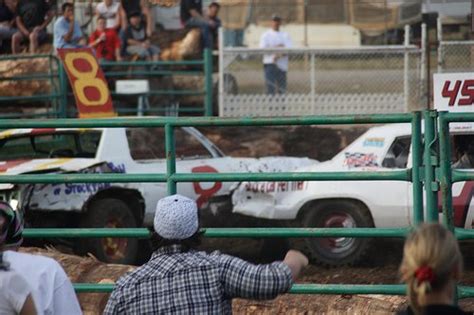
[33, 16]
[130, 7]
[275, 65]
[67, 32]
[138, 42]
[110, 10]
[52, 291]
[105, 42]
[191, 16]
[7, 19]
[179, 279]
[212, 15]
[431, 267]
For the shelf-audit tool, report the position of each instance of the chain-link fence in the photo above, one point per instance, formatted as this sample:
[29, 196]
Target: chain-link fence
[320, 81]
[456, 56]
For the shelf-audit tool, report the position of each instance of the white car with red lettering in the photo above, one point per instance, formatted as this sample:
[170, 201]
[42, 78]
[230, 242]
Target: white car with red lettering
[116, 150]
[386, 204]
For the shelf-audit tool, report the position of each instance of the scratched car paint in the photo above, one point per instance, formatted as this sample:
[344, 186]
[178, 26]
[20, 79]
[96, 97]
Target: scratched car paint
[110, 152]
[387, 203]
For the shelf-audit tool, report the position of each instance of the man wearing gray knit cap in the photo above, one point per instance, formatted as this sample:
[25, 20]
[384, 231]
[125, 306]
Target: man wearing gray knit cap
[181, 280]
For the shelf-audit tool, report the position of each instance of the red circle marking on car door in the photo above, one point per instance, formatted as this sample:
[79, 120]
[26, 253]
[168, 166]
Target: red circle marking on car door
[205, 194]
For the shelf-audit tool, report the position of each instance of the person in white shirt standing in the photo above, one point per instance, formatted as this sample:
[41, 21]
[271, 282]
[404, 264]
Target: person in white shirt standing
[110, 10]
[52, 290]
[275, 65]
[15, 292]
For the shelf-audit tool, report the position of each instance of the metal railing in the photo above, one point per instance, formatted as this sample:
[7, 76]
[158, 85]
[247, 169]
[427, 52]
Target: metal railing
[48, 83]
[171, 177]
[37, 79]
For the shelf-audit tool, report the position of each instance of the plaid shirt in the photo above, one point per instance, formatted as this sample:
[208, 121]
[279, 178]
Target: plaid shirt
[195, 283]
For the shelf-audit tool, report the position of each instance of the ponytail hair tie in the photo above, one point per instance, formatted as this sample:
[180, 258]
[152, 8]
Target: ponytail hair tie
[425, 273]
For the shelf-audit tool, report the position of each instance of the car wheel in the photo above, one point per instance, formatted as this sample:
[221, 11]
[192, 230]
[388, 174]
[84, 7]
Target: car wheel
[338, 251]
[110, 213]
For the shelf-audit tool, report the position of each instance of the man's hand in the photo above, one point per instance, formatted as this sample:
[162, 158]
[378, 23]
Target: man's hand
[102, 37]
[296, 260]
[146, 44]
[37, 29]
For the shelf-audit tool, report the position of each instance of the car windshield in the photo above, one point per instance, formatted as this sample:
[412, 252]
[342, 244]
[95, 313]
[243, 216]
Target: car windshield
[70, 144]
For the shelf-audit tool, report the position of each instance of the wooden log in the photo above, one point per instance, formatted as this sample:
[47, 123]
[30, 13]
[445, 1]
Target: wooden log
[186, 47]
[90, 270]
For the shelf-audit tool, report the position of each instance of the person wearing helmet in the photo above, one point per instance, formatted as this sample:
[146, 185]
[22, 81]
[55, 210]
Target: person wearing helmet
[52, 290]
[15, 292]
[464, 149]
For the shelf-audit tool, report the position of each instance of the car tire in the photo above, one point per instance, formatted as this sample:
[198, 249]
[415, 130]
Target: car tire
[110, 213]
[338, 251]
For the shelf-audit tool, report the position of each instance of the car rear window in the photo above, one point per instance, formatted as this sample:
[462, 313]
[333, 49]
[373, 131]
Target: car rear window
[76, 144]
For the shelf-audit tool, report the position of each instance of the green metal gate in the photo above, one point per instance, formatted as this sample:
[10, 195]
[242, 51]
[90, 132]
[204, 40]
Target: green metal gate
[423, 172]
[172, 178]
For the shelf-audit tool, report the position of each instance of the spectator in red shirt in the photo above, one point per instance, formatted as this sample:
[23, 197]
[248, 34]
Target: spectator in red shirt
[105, 42]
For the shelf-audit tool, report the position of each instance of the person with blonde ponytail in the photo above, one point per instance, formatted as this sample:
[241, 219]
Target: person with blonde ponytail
[431, 267]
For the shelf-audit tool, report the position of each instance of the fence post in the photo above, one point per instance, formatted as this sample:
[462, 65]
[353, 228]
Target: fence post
[406, 64]
[313, 82]
[170, 159]
[424, 66]
[439, 32]
[430, 162]
[62, 112]
[221, 72]
[445, 171]
[418, 215]
[208, 81]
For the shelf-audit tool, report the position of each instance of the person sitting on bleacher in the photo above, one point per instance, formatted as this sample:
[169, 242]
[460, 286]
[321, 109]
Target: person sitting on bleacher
[67, 32]
[33, 16]
[105, 42]
[138, 43]
[129, 7]
[431, 267]
[213, 15]
[52, 290]
[180, 279]
[7, 20]
[191, 16]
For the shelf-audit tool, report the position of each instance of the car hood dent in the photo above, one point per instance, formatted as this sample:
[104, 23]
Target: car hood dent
[57, 165]
[258, 199]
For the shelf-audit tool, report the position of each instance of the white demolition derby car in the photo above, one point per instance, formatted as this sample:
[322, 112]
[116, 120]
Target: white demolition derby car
[116, 150]
[352, 203]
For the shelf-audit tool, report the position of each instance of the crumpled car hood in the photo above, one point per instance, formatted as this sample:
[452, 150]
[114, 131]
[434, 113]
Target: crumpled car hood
[29, 166]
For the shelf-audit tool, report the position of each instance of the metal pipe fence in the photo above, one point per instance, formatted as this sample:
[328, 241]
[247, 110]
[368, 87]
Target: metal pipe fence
[172, 178]
[47, 83]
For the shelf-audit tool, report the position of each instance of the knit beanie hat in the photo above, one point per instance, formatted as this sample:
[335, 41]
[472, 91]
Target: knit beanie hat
[176, 217]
